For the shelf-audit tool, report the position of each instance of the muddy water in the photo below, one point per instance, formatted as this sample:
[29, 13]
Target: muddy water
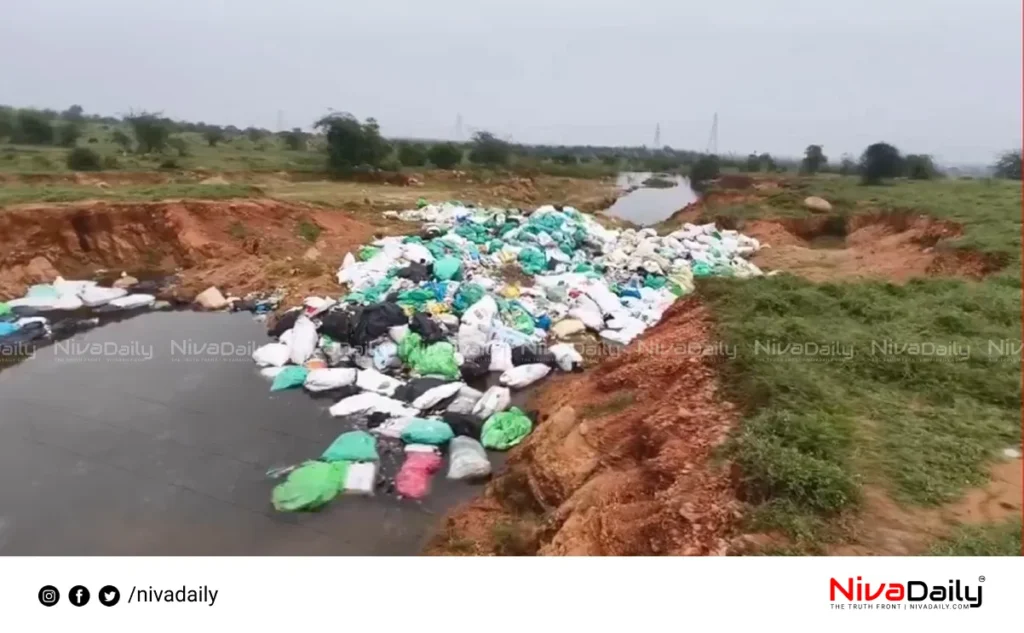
[647, 205]
[153, 435]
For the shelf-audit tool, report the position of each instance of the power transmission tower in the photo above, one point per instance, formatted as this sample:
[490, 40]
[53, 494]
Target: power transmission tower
[712, 147]
[657, 136]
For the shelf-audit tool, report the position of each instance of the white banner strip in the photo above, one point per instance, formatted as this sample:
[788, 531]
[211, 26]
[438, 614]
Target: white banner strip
[514, 594]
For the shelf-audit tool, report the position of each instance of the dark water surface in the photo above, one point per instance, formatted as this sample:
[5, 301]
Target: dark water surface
[140, 437]
[647, 205]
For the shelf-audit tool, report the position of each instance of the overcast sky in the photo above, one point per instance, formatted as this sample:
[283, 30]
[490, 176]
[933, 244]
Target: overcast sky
[933, 76]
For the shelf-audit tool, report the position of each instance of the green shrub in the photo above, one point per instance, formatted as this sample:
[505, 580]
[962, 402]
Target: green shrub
[444, 155]
[412, 154]
[488, 149]
[68, 134]
[83, 159]
[32, 128]
[351, 144]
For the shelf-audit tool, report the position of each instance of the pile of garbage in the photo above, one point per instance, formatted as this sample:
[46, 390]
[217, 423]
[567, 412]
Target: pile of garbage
[436, 333]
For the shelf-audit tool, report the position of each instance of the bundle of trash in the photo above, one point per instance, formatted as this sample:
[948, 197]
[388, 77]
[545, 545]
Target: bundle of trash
[436, 332]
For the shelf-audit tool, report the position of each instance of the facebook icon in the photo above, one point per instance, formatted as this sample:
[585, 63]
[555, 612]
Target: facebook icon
[79, 596]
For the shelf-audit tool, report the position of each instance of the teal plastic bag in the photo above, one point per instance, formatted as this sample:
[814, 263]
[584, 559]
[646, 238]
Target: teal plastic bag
[656, 282]
[416, 298]
[447, 268]
[700, 269]
[532, 261]
[42, 291]
[309, 486]
[354, 446]
[289, 378]
[427, 431]
[466, 296]
[505, 429]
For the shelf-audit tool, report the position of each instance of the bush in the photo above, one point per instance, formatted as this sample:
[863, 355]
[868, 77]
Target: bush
[444, 155]
[68, 134]
[93, 140]
[412, 154]
[6, 122]
[706, 168]
[351, 144]
[151, 132]
[920, 167]
[1009, 166]
[490, 150]
[179, 145]
[122, 139]
[752, 164]
[880, 161]
[83, 159]
[847, 167]
[814, 160]
[213, 136]
[32, 128]
[391, 163]
[169, 163]
[294, 140]
[111, 162]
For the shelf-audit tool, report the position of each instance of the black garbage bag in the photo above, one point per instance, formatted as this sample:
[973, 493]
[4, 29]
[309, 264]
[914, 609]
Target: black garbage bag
[284, 323]
[429, 329]
[417, 387]
[244, 305]
[340, 324]
[530, 354]
[375, 321]
[476, 369]
[417, 272]
[339, 393]
[463, 424]
[25, 334]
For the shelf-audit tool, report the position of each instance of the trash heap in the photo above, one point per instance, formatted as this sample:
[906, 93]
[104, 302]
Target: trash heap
[439, 328]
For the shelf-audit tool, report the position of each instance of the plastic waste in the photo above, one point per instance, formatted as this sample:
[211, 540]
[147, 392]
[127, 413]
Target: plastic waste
[427, 431]
[567, 327]
[369, 402]
[413, 479]
[492, 401]
[271, 354]
[385, 356]
[289, 377]
[505, 429]
[361, 478]
[566, 356]
[94, 296]
[447, 268]
[467, 459]
[132, 302]
[501, 356]
[331, 378]
[310, 486]
[303, 340]
[436, 360]
[373, 380]
[524, 375]
[211, 299]
[432, 397]
[353, 446]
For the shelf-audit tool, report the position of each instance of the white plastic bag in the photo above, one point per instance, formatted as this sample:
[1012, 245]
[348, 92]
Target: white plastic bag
[271, 354]
[303, 341]
[360, 478]
[494, 400]
[131, 301]
[331, 378]
[385, 355]
[398, 332]
[93, 296]
[417, 253]
[519, 377]
[463, 404]
[431, 397]
[270, 372]
[501, 356]
[373, 380]
[566, 356]
[393, 427]
[369, 402]
[472, 341]
[467, 459]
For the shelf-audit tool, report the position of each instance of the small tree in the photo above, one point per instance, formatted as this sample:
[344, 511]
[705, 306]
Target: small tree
[68, 134]
[920, 167]
[33, 128]
[814, 160]
[847, 166]
[351, 144]
[254, 134]
[444, 155]
[151, 132]
[1008, 166]
[706, 168]
[83, 159]
[488, 149]
[180, 145]
[753, 163]
[74, 113]
[294, 140]
[878, 162]
[213, 135]
[767, 162]
[412, 154]
[122, 139]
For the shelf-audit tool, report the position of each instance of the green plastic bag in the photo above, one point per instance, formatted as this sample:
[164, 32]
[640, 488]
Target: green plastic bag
[309, 486]
[447, 268]
[584, 268]
[367, 252]
[532, 261]
[700, 269]
[466, 296]
[422, 202]
[416, 298]
[4, 309]
[289, 378]
[410, 347]
[515, 315]
[656, 282]
[505, 429]
[354, 446]
[435, 360]
[427, 431]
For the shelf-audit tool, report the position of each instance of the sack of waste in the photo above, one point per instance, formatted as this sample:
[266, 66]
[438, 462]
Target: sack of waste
[433, 397]
[369, 402]
[467, 459]
[373, 380]
[132, 302]
[413, 479]
[504, 430]
[524, 375]
[310, 486]
[289, 378]
[303, 340]
[427, 431]
[385, 356]
[361, 478]
[95, 296]
[494, 399]
[566, 356]
[436, 360]
[353, 446]
[211, 299]
[271, 354]
[330, 378]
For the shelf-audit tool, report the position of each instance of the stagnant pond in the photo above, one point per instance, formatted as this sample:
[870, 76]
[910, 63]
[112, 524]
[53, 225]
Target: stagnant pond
[645, 205]
[153, 435]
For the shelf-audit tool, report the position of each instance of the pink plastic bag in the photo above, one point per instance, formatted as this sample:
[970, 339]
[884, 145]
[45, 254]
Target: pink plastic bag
[413, 479]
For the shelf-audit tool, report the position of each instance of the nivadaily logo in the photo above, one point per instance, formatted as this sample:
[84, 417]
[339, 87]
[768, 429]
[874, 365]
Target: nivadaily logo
[913, 594]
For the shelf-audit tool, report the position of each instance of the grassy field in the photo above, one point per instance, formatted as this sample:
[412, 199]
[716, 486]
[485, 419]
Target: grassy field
[13, 194]
[874, 410]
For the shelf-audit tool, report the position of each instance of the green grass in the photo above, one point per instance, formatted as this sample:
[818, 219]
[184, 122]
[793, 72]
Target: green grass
[999, 539]
[24, 194]
[817, 428]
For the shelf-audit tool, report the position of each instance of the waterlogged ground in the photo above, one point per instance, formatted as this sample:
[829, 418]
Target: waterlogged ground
[153, 435]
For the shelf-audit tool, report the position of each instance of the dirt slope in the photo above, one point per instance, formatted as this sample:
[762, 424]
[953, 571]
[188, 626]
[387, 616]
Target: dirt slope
[622, 465]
